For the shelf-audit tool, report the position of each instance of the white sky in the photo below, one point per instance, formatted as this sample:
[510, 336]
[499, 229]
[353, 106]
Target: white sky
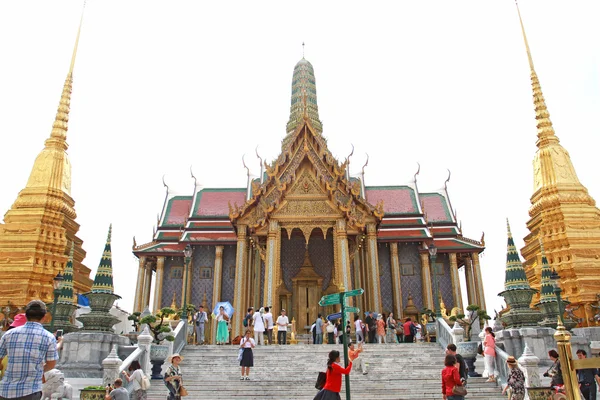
[159, 86]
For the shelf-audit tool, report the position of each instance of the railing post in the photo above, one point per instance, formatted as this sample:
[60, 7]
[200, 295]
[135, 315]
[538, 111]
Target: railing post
[144, 341]
[110, 367]
[458, 333]
[529, 363]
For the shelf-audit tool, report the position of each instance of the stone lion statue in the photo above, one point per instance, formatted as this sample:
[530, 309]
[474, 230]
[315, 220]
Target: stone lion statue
[55, 386]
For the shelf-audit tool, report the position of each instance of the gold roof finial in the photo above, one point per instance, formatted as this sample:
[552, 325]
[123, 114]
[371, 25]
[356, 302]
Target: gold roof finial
[302, 49]
[546, 133]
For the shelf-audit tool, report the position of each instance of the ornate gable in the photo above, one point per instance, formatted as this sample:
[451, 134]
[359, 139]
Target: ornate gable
[305, 182]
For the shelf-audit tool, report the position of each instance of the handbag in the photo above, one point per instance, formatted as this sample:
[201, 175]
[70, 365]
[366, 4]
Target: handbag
[145, 384]
[480, 349]
[321, 378]
[459, 390]
[240, 353]
[183, 391]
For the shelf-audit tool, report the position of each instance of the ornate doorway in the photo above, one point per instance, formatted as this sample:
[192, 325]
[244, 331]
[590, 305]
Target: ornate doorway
[307, 293]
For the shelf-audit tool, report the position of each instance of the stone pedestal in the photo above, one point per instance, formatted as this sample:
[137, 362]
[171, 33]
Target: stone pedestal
[111, 365]
[83, 353]
[529, 365]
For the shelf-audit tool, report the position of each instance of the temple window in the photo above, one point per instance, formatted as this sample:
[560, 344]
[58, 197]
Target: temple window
[438, 269]
[408, 269]
[176, 273]
[205, 273]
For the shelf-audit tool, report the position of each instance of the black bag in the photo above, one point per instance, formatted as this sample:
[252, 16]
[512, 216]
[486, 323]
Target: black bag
[480, 349]
[321, 378]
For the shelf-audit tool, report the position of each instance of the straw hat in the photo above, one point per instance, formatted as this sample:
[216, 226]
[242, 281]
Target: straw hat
[170, 359]
[511, 360]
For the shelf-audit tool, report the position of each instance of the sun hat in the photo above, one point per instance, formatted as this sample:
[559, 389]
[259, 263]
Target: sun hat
[19, 320]
[170, 359]
[511, 360]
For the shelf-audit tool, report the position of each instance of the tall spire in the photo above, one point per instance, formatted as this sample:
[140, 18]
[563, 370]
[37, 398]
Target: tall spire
[66, 294]
[304, 97]
[546, 286]
[103, 282]
[515, 274]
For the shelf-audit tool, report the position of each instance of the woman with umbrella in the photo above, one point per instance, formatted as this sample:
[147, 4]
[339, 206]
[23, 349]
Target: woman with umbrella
[222, 331]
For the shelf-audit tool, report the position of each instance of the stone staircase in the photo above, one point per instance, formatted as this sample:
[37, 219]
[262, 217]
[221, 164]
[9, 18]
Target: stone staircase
[396, 371]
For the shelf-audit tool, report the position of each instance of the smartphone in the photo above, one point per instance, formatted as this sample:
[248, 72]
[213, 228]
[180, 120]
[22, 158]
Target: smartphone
[59, 333]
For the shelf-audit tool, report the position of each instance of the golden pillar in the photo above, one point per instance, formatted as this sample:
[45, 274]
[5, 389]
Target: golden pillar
[217, 275]
[271, 263]
[158, 283]
[469, 277]
[396, 286]
[456, 292]
[249, 278]
[364, 271]
[426, 281]
[563, 343]
[139, 287]
[256, 272]
[240, 281]
[343, 277]
[147, 285]
[478, 281]
[374, 267]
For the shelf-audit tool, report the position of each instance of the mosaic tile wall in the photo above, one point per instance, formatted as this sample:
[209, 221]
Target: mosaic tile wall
[171, 286]
[385, 277]
[321, 255]
[408, 253]
[228, 279]
[204, 256]
[292, 255]
[445, 282]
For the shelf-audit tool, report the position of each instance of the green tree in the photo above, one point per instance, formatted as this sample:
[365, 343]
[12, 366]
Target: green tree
[158, 326]
[467, 323]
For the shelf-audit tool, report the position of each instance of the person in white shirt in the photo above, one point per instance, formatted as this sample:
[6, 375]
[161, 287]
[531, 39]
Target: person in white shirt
[135, 378]
[282, 323]
[268, 318]
[247, 360]
[358, 325]
[259, 328]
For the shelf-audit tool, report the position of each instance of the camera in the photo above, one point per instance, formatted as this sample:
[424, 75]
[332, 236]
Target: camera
[546, 374]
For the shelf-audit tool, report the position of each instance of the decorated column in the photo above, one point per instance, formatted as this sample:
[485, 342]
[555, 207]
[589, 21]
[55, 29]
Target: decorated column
[374, 267]
[343, 276]
[158, 284]
[456, 292]
[426, 281]
[147, 285]
[139, 288]
[478, 281]
[396, 286]
[271, 263]
[217, 276]
[469, 277]
[240, 281]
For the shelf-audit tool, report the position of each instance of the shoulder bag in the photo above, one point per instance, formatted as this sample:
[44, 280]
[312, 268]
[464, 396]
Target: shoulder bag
[321, 378]
[183, 391]
[145, 383]
[459, 390]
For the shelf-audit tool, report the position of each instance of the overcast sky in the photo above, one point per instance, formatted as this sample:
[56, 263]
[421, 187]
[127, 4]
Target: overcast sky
[159, 86]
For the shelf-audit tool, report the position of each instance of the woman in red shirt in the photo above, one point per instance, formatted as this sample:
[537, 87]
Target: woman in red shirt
[333, 383]
[450, 378]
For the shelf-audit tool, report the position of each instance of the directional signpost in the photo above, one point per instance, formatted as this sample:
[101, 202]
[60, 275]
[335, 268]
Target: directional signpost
[341, 298]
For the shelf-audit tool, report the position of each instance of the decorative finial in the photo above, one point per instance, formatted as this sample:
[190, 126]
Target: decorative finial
[447, 180]
[165, 184]
[244, 163]
[508, 228]
[418, 171]
[103, 282]
[193, 177]
[109, 234]
[366, 163]
[302, 49]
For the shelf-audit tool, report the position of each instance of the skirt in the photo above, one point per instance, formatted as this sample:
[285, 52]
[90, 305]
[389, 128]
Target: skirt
[222, 332]
[327, 395]
[247, 358]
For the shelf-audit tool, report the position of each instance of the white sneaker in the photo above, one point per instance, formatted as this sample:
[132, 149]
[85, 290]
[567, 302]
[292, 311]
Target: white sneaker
[242, 378]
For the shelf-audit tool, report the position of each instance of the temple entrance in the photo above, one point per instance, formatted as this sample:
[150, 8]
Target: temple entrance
[306, 294]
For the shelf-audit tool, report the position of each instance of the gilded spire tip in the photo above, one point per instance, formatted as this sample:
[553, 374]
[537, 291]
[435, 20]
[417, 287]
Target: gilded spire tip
[508, 227]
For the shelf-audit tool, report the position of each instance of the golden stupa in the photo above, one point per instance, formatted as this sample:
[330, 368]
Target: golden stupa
[36, 236]
[563, 216]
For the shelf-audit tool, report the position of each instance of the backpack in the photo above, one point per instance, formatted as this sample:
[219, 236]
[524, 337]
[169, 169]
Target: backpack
[245, 322]
[413, 329]
[145, 384]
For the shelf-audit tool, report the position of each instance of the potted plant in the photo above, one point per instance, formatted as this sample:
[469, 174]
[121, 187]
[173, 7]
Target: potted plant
[468, 348]
[159, 327]
[92, 393]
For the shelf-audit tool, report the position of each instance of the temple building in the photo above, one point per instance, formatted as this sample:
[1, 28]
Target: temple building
[563, 216]
[305, 228]
[40, 227]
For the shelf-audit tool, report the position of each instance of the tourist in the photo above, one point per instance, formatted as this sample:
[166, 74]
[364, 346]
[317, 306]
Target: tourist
[173, 377]
[268, 319]
[313, 330]
[450, 378]
[371, 325]
[28, 348]
[339, 331]
[353, 355]
[282, 324]
[330, 329]
[489, 352]
[200, 319]
[358, 324]
[391, 328]
[319, 330]
[515, 380]
[333, 383]
[380, 324]
[136, 377]
[18, 320]
[247, 361]
[399, 331]
[587, 378]
[419, 337]
[462, 365]
[555, 371]
[222, 329]
[259, 327]
[248, 318]
[348, 332]
[409, 331]
[118, 393]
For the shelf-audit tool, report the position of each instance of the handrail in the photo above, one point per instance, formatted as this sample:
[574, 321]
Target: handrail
[135, 356]
[500, 366]
[443, 332]
[180, 334]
